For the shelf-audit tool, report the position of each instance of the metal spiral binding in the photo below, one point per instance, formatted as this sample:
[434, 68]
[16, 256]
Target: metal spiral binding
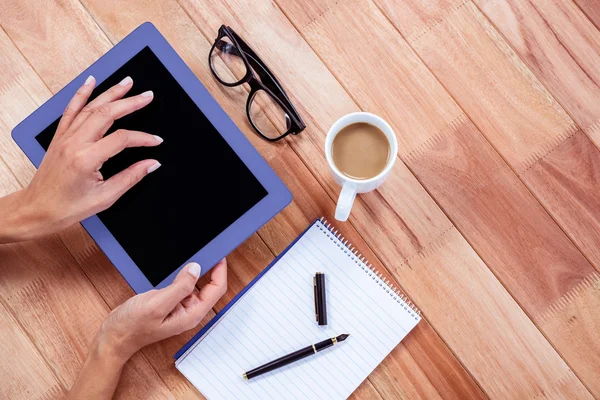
[360, 260]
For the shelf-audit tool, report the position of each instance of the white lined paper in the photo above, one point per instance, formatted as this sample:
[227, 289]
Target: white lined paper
[276, 316]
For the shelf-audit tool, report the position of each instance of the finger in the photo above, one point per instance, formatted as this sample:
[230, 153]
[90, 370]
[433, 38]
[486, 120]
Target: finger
[116, 186]
[210, 293]
[103, 116]
[76, 104]
[114, 93]
[165, 300]
[195, 306]
[216, 288]
[119, 140]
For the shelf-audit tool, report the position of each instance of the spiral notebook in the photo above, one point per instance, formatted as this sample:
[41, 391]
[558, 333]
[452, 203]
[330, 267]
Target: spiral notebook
[274, 315]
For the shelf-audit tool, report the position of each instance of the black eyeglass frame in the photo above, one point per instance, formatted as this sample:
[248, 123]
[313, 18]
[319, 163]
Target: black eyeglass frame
[267, 82]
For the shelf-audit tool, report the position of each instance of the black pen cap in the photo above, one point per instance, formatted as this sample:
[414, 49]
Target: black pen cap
[320, 301]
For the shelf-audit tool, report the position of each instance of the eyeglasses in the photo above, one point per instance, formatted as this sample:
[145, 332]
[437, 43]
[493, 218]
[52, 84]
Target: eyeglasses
[268, 108]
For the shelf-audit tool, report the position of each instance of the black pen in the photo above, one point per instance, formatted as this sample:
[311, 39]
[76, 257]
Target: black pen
[295, 356]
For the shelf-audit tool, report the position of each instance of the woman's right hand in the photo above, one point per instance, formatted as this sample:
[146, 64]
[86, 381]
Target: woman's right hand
[158, 314]
[142, 320]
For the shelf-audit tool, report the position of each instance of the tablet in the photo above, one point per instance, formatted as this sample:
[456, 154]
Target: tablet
[213, 189]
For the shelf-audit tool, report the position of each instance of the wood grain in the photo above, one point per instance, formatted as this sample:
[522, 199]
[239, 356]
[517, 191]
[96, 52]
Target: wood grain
[582, 326]
[569, 176]
[22, 91]
[488, 102]
[559, 45]
[490, 208]
[490, 201]
[488, 198]
[27, 370]
[562, 47]
[540, 379]
[452, 191]
[497, 92]
[43, 28]
[591, 9]
[524, 122]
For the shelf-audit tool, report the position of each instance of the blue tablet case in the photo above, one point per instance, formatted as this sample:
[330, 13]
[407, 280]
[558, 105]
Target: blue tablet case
[144, 36]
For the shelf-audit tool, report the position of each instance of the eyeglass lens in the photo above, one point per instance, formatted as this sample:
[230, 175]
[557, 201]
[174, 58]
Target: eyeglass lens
[227, 62]
[268, 116]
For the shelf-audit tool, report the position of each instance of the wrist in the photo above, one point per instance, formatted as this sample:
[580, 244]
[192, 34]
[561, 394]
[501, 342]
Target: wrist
[115, 343]
[102, 361]
[18, 219]
[109, 351]
[22, 218]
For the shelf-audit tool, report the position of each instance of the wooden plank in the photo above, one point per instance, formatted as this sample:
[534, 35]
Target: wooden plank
[42, 28]
[559, 45]
[542, 379]
[309, 203]
[528, 127]
[553, 36]
[343, 28]
[506, 101]
[591, 9]
[565, 180]
[21, 91]
[390, 244]
[27, 370]
[479, 75]
[500, 217]
[491, 208]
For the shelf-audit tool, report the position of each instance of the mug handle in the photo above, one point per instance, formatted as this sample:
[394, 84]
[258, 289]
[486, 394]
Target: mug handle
[345, 201]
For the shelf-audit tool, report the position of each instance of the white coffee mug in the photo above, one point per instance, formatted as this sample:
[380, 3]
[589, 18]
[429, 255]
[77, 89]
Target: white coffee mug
[350, 186]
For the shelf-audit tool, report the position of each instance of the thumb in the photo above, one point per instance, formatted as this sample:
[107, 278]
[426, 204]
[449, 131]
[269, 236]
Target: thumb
[182, 286]
[117, 185]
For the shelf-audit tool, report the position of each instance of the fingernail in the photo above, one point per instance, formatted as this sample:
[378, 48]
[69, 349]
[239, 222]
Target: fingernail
[154, 167]
[126, 82]
[148, 94]
[89, 80]
[158, 139]
[194, 269]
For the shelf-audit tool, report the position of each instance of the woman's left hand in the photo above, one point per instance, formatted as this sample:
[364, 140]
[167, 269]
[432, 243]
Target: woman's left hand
[68, 187]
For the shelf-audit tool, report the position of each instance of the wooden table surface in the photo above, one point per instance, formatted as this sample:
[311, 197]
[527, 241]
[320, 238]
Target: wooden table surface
[490, 221]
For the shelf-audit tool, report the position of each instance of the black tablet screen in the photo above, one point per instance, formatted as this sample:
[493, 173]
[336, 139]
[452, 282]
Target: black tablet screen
[201, 188]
